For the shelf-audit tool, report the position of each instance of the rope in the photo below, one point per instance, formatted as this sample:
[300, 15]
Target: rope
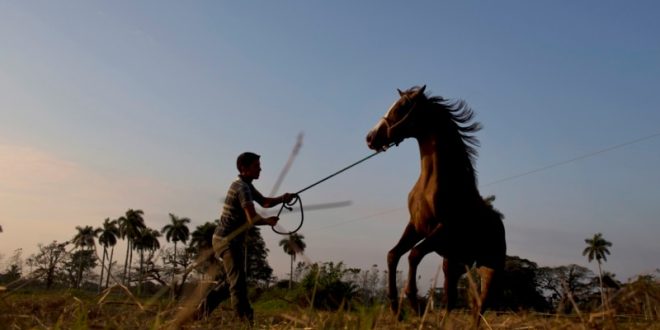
[289, 206]
[296, 199]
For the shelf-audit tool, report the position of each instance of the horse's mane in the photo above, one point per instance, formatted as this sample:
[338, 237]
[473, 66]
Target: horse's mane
[460, 118]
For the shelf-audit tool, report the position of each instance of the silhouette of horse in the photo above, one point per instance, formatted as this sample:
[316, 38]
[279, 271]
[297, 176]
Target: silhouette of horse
[447, 214]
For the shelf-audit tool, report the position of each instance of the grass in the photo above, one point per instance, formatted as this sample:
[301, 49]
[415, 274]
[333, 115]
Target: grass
[70, 309]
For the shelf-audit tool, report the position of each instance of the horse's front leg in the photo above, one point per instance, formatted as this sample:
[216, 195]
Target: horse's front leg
[434, 242]
[414, 258]
[409, 238]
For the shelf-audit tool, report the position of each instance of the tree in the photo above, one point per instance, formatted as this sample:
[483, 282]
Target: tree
[257, 265]
[12, 274]
[14, 267]
[597, 248]
[518, 286]
[369, 286]
[201, 243]
[563, 283]
[76, 266]
[184, 258]
[176, 231]
[47, 262]
[84, 240]
[293, 245]
[147, 240]
[108, 237]
[86, 236]
[129, 228]
[202, 237]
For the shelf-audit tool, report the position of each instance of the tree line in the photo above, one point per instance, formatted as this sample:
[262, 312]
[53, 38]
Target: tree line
[71, 264]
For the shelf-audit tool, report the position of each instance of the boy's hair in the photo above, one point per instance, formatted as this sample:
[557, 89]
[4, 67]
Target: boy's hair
[246, 159]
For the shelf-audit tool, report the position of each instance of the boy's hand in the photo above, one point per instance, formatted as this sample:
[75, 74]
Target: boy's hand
[272, 221]
[288, 197]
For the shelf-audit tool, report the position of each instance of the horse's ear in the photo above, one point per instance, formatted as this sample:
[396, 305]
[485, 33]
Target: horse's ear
[421, 90]
[400, 92]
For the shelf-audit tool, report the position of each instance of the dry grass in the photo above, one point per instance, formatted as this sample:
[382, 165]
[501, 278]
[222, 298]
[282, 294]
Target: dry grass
[117, 310]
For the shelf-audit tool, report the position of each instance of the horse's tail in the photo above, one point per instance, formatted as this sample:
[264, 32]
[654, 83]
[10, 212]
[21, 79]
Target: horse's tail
[493, 241]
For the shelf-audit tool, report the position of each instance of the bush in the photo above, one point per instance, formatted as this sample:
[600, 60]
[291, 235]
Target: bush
[327, 286]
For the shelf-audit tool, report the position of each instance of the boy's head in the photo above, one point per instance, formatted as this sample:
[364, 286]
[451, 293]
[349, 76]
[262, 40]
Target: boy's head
[249, 165]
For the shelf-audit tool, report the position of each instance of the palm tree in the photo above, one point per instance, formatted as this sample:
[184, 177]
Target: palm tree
[176, 231]
[202, 237]
[108, 237]
[84, 239]
[293, 245]
[202, 243]
[129, 227]
[597, 248]
[146, 240]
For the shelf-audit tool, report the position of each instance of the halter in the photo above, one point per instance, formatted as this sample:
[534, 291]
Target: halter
[393, 126]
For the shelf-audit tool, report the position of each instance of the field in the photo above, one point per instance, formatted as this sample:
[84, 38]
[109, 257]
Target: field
[70, 309]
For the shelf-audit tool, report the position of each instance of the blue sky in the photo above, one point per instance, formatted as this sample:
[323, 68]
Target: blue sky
[110, 106]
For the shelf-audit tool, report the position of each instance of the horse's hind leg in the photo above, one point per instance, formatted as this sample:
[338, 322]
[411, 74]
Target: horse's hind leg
[409, 238]
[491, 262]
[486, 276]
[453, 271]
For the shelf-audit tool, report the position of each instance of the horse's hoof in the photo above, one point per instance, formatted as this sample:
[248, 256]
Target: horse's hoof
[421, 307]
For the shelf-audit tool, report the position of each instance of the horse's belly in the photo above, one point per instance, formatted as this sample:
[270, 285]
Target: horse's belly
[424, 219]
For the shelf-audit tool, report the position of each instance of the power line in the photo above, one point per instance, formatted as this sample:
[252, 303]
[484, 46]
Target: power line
[568, 161]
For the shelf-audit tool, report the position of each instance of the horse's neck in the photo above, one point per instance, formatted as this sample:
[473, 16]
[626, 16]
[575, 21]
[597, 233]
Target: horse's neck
[429, 161]
[442, 171]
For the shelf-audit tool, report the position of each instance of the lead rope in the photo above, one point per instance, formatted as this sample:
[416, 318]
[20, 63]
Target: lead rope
[289, 206]
[296, 199]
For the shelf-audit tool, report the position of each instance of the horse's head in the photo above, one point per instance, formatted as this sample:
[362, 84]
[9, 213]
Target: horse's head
[400, 120]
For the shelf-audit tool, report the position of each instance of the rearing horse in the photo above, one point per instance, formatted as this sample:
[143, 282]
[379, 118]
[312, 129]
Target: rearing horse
[447, 214]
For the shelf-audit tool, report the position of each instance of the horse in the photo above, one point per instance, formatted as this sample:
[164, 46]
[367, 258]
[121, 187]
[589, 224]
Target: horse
[447, 214]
